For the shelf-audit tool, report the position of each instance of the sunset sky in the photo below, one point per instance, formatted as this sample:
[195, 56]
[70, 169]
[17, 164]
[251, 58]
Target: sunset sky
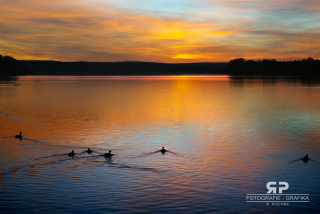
[160, 30]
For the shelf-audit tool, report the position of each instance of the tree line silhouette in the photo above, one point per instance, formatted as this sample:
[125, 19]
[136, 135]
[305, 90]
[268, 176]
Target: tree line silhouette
[237, 67]
[305, 67]
[9, 66]
[121, 68]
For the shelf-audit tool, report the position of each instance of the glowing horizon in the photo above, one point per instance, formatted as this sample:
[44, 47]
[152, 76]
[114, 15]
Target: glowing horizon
[160, 31]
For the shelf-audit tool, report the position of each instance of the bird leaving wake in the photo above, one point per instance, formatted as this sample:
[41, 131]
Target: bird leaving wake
[305, 159]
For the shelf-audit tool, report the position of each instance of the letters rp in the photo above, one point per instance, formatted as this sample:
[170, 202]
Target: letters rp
[274, 189]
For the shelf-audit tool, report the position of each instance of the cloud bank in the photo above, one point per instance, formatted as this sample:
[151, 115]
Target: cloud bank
[159, 30]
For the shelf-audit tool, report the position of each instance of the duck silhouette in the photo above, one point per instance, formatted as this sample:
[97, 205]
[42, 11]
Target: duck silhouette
[108, 155]
[163, 150]
[89, 150]
[19, 135]
[71, 154]
[306, 158]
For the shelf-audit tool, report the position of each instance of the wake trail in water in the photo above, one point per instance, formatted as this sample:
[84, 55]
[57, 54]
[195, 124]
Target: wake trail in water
[61, 158]
[94, 154]
[96, 158]
[301, 159]
[7, 85]
[136, 167]
[44, 143]
[17, 168]
[189, 159]
[126, 166]
[84, 157]
[6, 137]
[22, 119]
[38, 142]
[11, 116]
[159, 151]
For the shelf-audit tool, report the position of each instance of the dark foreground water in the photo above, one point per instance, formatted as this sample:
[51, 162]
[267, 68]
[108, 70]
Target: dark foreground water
[226, 138]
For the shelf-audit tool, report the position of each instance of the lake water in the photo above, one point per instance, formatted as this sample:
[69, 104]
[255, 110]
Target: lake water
[226, 138]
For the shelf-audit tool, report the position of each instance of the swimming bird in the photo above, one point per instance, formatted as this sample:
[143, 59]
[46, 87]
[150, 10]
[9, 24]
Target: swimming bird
[305, 158]
[163, 150]
[19, 135]
[108, 155]
[72, 153]
[89, 150]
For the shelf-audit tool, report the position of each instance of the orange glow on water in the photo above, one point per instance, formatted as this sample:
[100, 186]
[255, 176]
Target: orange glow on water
[222, 133]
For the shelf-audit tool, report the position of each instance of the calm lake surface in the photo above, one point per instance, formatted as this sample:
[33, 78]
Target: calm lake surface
[226, 138]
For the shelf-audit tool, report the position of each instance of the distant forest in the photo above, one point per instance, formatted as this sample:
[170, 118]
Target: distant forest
[9, 66]
[237, 67]
[305, 67]
[121, 68]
